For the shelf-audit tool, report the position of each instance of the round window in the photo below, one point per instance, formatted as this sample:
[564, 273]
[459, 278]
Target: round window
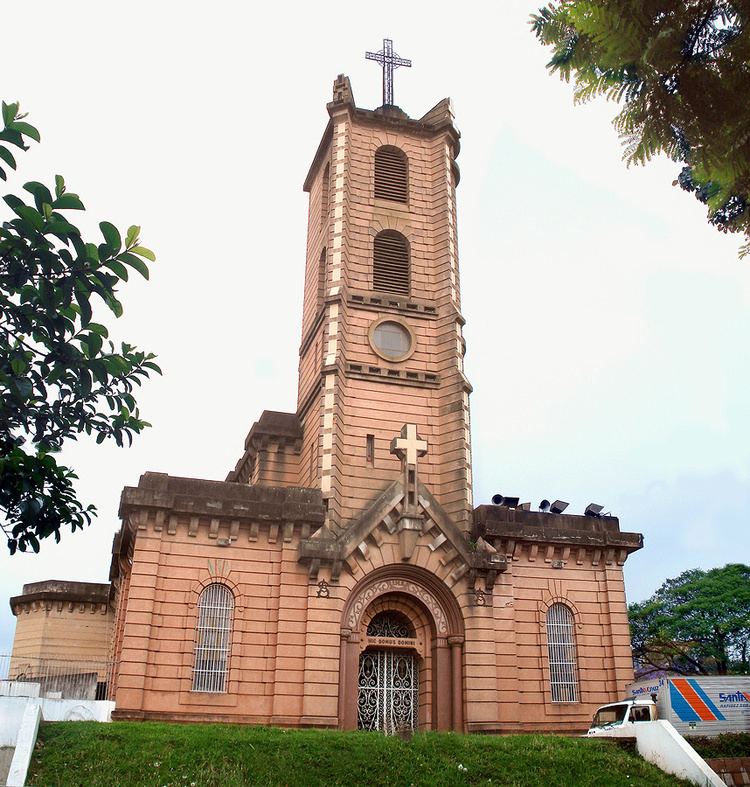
[391, 340]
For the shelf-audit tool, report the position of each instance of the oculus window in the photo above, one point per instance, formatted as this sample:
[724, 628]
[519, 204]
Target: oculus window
[391, 340]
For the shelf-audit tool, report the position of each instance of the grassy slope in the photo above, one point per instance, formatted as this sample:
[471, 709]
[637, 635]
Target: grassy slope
[90, 754]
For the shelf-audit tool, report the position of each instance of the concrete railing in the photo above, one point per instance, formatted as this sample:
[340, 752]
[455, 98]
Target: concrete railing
[25, 742]
[659, 743]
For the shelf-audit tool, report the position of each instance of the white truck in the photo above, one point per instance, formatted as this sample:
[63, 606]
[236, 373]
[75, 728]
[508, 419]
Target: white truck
[693, 705]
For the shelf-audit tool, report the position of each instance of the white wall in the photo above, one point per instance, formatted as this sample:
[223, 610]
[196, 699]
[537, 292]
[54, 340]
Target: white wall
[12, 710]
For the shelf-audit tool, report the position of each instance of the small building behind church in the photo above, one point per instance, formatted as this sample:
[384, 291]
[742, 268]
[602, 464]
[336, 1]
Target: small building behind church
[341, 576]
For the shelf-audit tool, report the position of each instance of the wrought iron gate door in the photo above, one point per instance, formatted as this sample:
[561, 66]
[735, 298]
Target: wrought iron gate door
[388, 698]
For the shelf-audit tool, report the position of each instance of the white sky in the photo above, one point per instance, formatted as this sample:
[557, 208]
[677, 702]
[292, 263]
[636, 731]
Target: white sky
[607, 323]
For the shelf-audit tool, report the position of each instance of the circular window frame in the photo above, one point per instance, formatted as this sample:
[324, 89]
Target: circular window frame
[405, 325]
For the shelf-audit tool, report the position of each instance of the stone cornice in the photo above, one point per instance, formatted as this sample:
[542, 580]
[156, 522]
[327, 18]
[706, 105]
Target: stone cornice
[161, 502]
[500, 523]
[53, 592]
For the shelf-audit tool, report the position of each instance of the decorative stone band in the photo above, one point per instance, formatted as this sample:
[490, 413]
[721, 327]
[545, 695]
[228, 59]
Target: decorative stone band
[370, 593]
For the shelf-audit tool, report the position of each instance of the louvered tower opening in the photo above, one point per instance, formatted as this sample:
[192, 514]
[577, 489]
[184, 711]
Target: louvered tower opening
[390, 269]
[391, 174]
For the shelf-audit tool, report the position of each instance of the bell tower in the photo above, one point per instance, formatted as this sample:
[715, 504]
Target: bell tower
[382, 341]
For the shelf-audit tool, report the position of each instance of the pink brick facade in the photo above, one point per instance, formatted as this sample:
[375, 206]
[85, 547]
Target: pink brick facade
[358, 509]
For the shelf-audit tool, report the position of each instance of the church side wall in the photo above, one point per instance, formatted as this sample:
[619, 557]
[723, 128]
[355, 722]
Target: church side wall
[272, 658]
[287, 643]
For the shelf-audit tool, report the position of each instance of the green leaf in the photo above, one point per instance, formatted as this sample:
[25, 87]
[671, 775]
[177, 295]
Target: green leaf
[23, 386]
[63, 228]
[25, 128]
[111, 236]
[85, 306]
[18, 366]
[33, 217]
[92, 253]
[40, 191]
[59, 186]
[115, 306]
[118, 268]
[12, 201]
[9, 113]
[68, 202]
[131, 238]
[8, 135]
[98, 329]
[7, 157]
[134, 262]
[144, 252]
[99, 370]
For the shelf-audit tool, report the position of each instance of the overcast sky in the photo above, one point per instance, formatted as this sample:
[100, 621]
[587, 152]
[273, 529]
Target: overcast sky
[607, 323]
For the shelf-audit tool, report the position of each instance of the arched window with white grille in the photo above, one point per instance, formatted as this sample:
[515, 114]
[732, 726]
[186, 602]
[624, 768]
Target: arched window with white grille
[213, 638]
[561, 648]
[390, 264]
[391, 174]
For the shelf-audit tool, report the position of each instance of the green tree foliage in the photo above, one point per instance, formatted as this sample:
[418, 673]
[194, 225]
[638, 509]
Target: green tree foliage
[681, 69]
[697, 623]
[60, 376]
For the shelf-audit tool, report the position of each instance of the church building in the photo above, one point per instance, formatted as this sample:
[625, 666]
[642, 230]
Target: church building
[341, 575]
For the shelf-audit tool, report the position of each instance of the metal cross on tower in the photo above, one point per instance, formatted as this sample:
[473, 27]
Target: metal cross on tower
[389, 60]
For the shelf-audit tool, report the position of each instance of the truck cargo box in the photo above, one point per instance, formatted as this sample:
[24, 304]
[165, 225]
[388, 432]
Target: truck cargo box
[699, 705]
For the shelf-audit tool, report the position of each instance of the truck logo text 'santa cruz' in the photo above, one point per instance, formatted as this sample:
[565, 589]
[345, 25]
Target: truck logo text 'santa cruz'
[738, 696]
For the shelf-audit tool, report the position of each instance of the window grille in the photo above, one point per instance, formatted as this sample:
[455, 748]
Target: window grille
[561, 647]
[391, 178]
[388, 696]
[213, 638]
[390, 624]
[390, 269]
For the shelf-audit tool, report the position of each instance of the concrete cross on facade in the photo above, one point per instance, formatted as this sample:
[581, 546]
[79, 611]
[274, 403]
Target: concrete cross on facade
[409, 446]
[389, 60]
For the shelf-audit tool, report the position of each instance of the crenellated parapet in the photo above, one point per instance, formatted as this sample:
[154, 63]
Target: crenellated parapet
[556, 539]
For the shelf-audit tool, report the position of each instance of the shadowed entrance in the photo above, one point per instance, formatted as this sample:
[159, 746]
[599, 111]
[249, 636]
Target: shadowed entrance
[402, 654]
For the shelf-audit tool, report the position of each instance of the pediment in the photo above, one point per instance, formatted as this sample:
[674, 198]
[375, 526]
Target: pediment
[430, 526]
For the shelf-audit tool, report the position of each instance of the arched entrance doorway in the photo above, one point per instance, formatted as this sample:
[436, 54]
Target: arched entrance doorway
[388, 682]
[401, 654]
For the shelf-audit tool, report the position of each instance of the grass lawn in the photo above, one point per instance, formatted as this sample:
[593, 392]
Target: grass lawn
[219, 755]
